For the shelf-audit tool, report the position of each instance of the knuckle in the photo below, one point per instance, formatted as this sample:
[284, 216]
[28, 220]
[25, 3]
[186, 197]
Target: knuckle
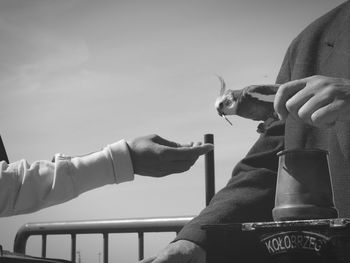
[282, 87]
[318, 80]
[314, 77]
[282, 90]
[303, 114]
[290, 105]
[315, 118]
[328, 92]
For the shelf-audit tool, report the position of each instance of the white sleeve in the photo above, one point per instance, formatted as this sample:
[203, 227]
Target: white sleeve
[26, 188]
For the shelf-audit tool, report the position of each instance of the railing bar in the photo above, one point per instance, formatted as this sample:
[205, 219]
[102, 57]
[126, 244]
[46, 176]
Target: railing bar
[105, 247]
[209, 170]
[141, 245]
[104, 227]
[43, 245]
[73, 247]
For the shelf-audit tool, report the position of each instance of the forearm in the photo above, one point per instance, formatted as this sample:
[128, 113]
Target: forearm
[26, 188]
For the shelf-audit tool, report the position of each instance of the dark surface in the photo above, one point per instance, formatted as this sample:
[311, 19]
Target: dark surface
[311, 241]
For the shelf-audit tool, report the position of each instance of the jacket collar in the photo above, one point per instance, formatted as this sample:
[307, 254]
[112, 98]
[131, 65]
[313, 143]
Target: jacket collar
[3, 155]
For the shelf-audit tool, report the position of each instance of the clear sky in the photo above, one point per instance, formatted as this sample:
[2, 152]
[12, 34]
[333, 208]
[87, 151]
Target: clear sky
[76, 75]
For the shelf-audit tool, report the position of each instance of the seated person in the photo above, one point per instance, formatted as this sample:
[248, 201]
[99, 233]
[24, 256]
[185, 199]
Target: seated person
[314, 107]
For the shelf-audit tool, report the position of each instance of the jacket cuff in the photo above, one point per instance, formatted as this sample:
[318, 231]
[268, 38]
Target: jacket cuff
[194, 234]
[121, 160]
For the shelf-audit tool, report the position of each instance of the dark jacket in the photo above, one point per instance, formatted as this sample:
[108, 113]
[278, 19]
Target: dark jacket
[323, 48]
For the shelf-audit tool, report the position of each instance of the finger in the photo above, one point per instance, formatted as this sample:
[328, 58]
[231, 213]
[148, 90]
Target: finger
[184, 153]
[309, 107]
[327, 115]
[296, 102]
[192, 144]
[166, 142]
[284, 93]
[186, 144]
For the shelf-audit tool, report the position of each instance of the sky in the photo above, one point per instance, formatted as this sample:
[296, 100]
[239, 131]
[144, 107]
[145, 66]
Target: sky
[76, 75]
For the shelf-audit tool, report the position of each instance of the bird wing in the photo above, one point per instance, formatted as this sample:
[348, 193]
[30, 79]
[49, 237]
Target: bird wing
[262, 92]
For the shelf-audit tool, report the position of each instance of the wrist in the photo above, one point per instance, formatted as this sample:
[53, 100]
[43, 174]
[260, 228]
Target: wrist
[121, 161]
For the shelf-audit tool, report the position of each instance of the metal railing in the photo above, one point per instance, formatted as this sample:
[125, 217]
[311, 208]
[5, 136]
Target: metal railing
[103, 227]
[106, 227]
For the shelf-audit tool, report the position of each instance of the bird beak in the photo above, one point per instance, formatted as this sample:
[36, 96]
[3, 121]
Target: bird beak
[224, 116]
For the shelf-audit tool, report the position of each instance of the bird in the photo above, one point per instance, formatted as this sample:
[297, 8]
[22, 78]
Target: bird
[254, 102]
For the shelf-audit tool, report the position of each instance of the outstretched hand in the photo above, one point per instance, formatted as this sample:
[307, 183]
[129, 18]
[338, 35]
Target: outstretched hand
[155, 156]
[318, 100]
